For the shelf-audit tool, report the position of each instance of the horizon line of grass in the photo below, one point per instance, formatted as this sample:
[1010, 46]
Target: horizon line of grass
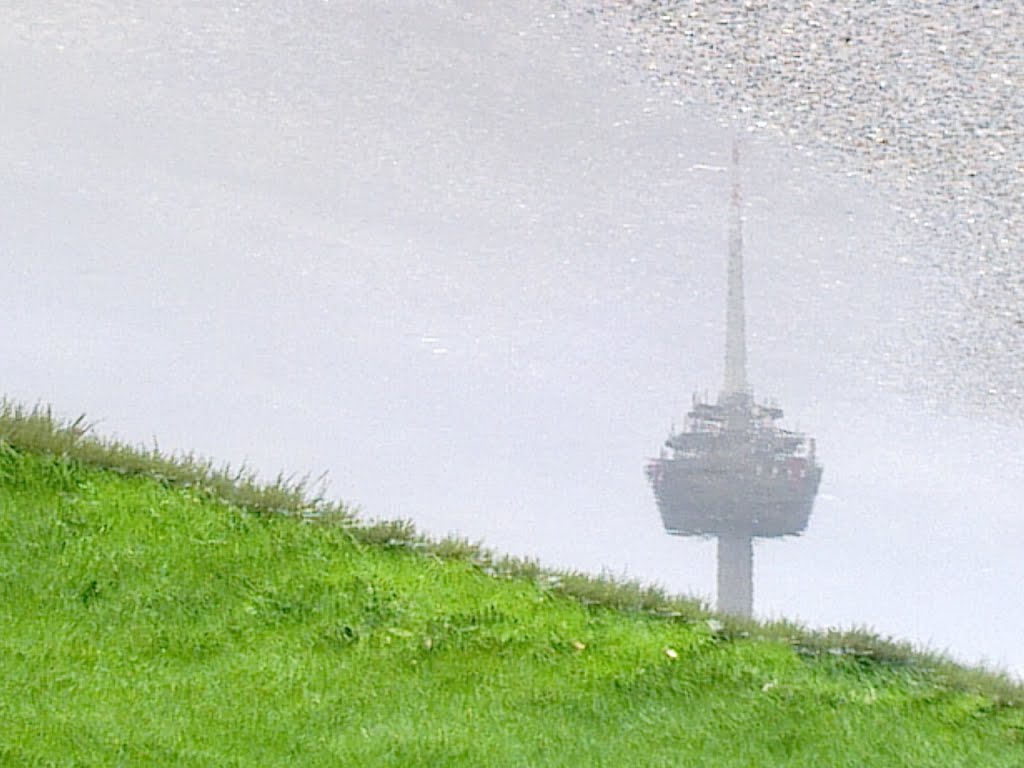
[37, 429]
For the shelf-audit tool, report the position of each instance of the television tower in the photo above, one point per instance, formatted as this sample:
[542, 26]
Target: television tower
[732, 473]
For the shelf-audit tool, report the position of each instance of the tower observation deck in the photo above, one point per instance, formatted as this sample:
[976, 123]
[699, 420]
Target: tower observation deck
[732, 472]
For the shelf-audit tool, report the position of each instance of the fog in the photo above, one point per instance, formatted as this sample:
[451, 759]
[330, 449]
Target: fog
[457, 257]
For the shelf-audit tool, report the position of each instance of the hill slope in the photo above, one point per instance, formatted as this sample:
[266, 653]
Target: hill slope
[149, 622]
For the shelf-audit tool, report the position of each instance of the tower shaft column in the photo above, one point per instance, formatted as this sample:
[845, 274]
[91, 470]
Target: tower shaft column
[736, 574]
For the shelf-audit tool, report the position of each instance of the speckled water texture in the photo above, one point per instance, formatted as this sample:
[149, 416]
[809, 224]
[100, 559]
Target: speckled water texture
[924, 99]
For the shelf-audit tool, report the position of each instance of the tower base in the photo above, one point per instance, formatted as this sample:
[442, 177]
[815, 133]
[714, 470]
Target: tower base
[736, 575]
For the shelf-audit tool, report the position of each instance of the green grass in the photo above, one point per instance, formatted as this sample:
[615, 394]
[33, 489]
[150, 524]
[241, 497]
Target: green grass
[157, 612]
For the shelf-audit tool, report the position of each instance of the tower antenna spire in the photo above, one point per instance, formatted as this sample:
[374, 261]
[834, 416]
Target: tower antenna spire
[735, 382]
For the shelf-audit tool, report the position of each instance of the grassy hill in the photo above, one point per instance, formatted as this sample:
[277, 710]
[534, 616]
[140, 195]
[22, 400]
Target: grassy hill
[159, 612]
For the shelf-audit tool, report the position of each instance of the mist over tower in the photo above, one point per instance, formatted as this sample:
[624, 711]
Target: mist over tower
[732, 472]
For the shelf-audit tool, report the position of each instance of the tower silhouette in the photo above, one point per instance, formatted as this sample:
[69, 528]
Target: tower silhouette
[732, 472]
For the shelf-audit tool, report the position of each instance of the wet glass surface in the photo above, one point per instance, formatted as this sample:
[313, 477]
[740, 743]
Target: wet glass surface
[467, 264]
